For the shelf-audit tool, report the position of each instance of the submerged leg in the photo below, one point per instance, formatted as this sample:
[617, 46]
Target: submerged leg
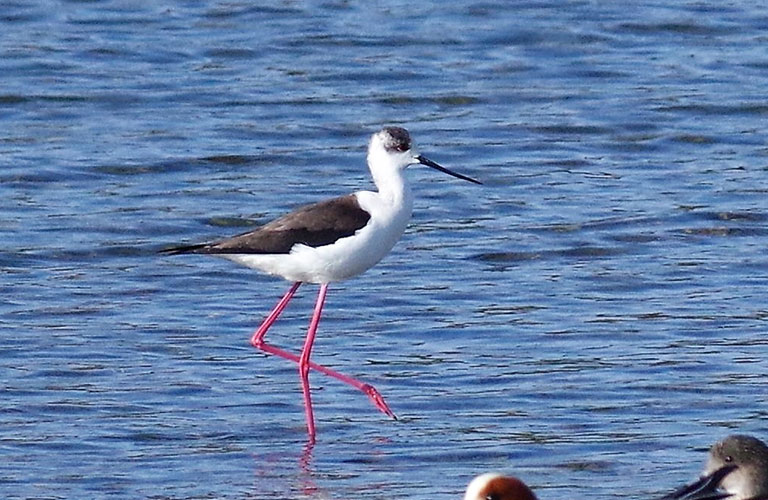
[257, 340]
[306, 352]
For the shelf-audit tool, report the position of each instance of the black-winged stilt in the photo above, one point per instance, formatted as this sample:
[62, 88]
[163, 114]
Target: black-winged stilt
[330, 241]
[737, 469]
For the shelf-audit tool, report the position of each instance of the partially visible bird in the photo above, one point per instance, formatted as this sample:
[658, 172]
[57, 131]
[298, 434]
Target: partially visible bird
[493, 486]
[737, 469]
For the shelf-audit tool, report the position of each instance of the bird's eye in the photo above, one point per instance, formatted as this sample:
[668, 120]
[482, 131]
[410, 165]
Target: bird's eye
[398, 146]
[728, 459]
[491, 496]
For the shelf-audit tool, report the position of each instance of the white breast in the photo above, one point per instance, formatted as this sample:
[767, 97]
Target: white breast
[347, 257]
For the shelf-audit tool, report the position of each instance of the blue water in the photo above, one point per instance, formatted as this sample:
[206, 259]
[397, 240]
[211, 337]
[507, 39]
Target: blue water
[590, 320]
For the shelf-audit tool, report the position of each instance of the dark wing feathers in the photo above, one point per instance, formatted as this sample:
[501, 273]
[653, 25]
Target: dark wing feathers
[312, 225]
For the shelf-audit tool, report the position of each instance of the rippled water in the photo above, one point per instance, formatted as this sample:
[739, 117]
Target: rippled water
[590, 320]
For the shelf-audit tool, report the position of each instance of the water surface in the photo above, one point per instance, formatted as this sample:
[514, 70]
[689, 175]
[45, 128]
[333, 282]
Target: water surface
[591, 319]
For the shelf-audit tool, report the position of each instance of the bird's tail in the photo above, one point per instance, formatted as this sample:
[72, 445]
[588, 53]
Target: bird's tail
[200, 248]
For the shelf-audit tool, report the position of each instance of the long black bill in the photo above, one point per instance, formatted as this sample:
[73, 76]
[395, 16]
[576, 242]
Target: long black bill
[705, 488]
[426, 161]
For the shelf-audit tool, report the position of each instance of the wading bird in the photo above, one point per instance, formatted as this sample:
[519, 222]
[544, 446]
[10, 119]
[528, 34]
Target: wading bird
[330, 241]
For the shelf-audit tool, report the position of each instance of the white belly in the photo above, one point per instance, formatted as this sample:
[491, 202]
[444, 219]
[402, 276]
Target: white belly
[345, 258]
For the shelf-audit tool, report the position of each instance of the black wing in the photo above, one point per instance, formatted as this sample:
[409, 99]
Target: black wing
[312, 225]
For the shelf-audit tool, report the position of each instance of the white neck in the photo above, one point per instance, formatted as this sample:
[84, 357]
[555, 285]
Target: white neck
[389, 178]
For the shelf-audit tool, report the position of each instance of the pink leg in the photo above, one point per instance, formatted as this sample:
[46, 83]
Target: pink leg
[257, 340]
[306, 352]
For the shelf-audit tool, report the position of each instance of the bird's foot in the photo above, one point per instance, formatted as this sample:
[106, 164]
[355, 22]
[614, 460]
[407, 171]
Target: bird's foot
[377, 399]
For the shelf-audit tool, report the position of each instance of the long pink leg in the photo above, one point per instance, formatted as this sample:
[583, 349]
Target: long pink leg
[306, 352]
[257, 340]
